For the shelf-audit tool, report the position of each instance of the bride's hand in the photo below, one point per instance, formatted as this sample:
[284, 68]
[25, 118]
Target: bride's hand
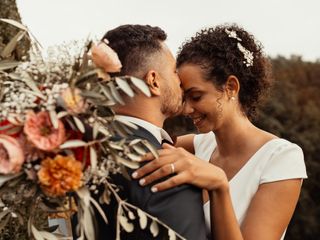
[184, 168]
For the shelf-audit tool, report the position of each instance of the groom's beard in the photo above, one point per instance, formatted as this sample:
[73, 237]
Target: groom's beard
[171, 103]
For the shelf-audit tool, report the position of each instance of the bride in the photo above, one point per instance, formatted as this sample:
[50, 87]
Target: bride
[252, 179]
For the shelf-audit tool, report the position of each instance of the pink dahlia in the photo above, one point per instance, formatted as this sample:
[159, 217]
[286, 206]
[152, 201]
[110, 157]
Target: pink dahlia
[106, 58]
[41, 132]
[11, 155]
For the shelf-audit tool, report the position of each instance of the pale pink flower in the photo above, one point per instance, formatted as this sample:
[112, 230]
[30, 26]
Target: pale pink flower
[105, 57]
[41, 132]
[73, 101]
[11, 155]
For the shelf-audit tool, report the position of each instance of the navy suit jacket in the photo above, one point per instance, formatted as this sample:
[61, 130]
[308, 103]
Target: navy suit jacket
[181, 208]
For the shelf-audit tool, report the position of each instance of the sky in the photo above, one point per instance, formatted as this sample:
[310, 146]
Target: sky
[284, 27]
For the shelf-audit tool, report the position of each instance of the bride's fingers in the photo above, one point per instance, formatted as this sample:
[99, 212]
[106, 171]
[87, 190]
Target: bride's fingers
[161, 172]
[150, 167]
[170, 183]
[149, 156]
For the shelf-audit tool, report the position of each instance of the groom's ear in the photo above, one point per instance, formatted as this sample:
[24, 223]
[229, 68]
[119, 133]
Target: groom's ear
[152, 80]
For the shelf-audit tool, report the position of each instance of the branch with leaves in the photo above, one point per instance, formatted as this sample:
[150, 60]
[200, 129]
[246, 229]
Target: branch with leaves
[56, 140]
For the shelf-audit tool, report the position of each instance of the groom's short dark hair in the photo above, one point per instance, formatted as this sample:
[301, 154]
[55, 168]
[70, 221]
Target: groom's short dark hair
[134, 45]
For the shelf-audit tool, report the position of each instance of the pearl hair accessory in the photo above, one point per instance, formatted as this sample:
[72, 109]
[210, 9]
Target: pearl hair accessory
[248, 56]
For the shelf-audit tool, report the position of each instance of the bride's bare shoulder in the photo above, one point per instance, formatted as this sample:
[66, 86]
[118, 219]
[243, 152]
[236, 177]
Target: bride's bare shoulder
[186, 142]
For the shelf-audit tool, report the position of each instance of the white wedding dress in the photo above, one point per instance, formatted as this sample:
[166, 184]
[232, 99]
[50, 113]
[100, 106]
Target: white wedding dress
[276, 160]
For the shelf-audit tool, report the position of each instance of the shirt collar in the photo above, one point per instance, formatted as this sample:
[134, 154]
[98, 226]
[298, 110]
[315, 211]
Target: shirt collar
[157, 132]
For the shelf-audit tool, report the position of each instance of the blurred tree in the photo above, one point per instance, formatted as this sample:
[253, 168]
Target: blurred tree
[8, 9]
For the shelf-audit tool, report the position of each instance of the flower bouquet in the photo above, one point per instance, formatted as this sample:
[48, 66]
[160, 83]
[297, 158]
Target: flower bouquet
[57, 144]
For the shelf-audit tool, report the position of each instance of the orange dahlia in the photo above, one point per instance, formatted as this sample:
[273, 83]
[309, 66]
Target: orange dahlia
[60, 175]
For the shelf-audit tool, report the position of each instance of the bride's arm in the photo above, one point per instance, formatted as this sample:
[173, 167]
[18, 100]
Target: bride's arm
[267, 217]
[186, 142]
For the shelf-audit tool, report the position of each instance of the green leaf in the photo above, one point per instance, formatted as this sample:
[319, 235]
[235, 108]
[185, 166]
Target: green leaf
[141, 85]
[125, 87]
[128, 227]
[142, 219]
[99, 210]
[152, 149]
[93, 158]
[54, 119]
[79, 124]
[172, 235]
[5, 221]
[73, 144]
[4, 65]
[115, 93]
[48, 236]
[128, 163]
[4, 213]
[105, 90]
[14, 23]
[37, 235]
[134, 157]
[154, 228]
[139, 150]
[87, 223]
[6, 52]
[84, 195]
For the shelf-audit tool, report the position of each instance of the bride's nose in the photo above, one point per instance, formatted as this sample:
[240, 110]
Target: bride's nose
[187, 108]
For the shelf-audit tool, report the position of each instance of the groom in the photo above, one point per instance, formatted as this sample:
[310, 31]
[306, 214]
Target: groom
[143, 54]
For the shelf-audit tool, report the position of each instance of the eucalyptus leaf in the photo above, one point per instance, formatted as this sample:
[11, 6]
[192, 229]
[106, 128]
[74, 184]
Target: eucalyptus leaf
[128, 227]
[128, 163]
[143, 220]
[105, 196]
[36, 234]
[115, 146]
[84, 195]
[4, 213]
[79, 124]
[4, 222]
[62, 114]
[141, 85]
[124, 86]
[14, 23]
[73, 144]
[152, 149]
[48, 236]
[131, 215]
[103, 215]
[134, 157]
[105, 90]
[32, 85]
[88, 224]
[6, 52]
[93, 158]
[4, 65]
[139, 150]
[95, 129]
[135, 141]
[172, 235]
[154, 228]
[54, 119]
[115, 93]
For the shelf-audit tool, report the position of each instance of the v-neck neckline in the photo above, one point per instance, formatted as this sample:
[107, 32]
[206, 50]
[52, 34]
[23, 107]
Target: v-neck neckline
[251, 159]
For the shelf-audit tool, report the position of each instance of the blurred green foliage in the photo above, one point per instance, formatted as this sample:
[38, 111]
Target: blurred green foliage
[292, 112]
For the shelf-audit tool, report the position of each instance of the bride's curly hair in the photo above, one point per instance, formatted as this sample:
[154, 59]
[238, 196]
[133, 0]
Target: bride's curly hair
[219, 55]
